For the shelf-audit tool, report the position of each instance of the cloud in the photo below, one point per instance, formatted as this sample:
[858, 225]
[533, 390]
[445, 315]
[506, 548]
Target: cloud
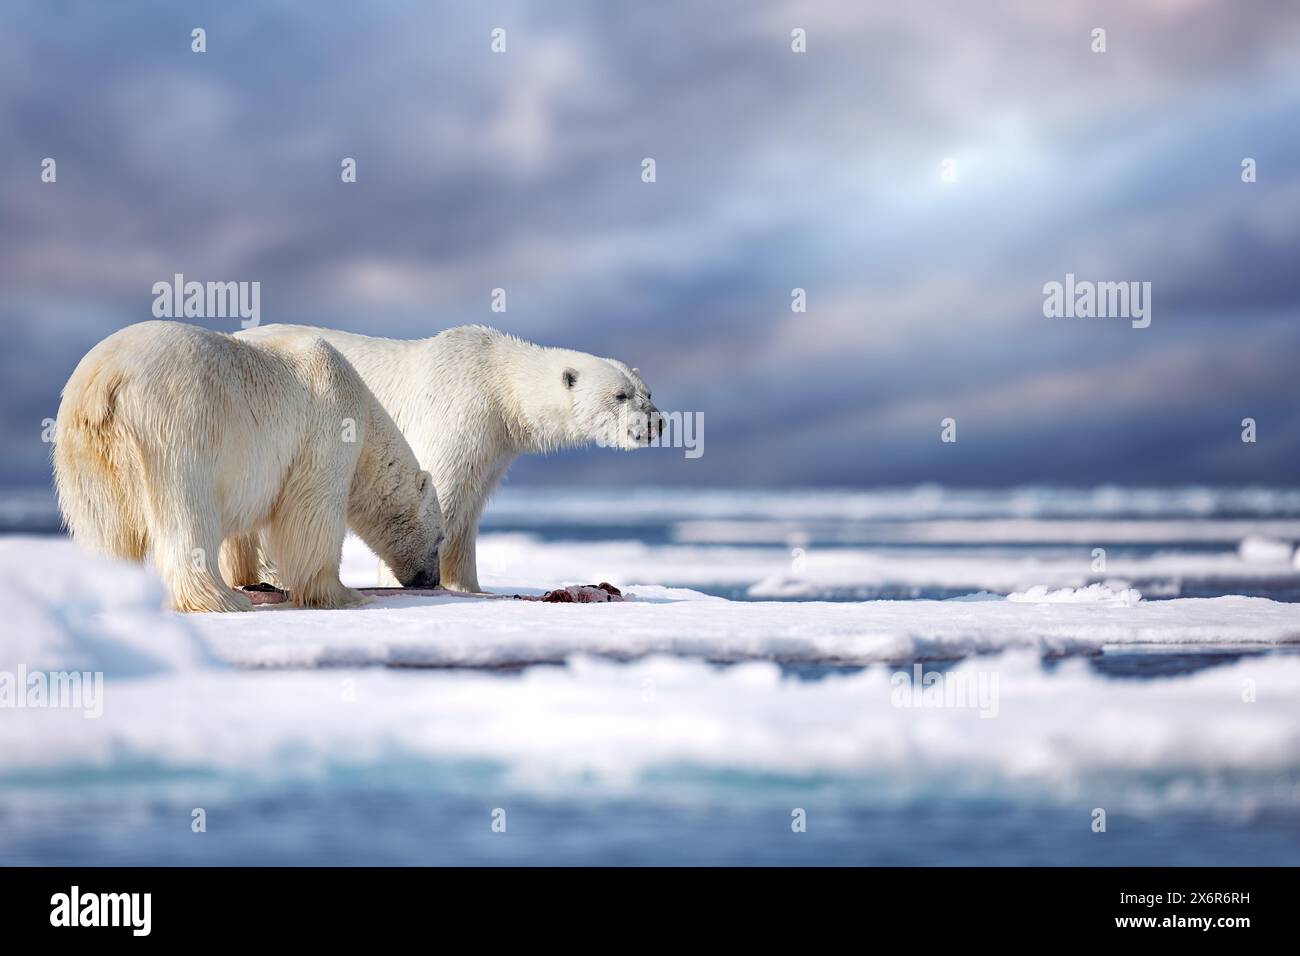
[775, 170]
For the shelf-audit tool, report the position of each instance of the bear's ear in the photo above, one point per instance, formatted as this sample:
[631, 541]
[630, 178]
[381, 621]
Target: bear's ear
[422, 482]
[570, 377]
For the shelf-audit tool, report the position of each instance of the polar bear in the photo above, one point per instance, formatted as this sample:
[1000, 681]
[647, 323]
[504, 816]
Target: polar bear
[471, 399]
[171, 439]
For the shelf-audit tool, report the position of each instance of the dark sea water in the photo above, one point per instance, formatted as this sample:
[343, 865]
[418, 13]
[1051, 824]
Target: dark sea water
[346, 826]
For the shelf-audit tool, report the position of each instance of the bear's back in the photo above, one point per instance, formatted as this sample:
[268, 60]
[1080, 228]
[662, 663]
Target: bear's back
[319, 366]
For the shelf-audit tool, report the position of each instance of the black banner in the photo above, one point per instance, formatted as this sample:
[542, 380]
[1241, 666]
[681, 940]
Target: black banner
[334, 906]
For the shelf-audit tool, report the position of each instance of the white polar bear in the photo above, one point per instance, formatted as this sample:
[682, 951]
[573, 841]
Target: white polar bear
[171, 439]
[471, 399]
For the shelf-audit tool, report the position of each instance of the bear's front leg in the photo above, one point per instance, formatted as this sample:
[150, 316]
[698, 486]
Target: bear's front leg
[458, 568]
[239, 560]
[304, 541]
[325, 590]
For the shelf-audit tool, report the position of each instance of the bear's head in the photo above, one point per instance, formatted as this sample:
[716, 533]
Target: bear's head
[609, 403]
[412, 535]
[394, 509]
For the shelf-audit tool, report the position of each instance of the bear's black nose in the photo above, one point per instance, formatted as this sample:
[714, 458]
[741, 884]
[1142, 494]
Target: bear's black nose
[422, 579]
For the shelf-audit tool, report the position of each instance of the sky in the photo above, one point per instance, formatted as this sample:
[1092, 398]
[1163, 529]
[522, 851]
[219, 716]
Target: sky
[921, 171]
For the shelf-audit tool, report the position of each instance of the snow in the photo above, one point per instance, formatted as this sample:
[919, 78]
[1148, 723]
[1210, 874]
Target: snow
[845, 571]
[640, 693]
[508, 562]
[68, 609]
[105, 616]
[606, 726]
[1092, 594]
[1260, 550]
[476, 632]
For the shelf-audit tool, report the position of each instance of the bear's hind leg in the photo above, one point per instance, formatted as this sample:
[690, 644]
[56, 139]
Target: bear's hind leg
[187, 553]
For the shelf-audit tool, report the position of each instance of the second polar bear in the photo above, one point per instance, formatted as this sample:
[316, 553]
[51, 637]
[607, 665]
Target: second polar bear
[471, 399]
[172, 439]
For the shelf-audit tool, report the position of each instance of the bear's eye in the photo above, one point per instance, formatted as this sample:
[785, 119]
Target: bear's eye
[621, 396]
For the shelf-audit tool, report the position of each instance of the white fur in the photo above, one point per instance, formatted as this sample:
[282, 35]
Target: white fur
[471, 399]
[172, 439]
